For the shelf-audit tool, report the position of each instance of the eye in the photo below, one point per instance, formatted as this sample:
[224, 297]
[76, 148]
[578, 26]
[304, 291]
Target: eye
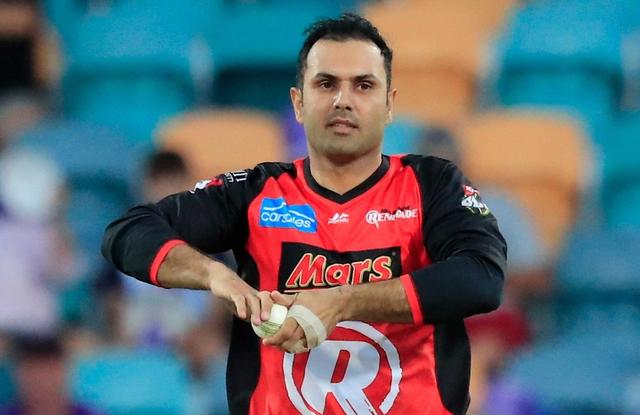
[326, 84]
[364, 86]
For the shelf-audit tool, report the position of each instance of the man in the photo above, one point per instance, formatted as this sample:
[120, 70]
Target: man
[388, 253]
[165, 173]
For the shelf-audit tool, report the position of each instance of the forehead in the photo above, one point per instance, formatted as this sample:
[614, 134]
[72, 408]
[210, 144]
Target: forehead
[345, 59]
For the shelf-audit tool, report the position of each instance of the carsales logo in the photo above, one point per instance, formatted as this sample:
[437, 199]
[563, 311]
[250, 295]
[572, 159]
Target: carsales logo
[360, 375]
[375, 217]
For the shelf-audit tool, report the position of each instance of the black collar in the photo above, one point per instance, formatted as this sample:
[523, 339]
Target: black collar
[355, 192]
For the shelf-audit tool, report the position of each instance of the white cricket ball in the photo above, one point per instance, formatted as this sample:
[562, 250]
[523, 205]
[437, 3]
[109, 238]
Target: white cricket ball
[276, 319]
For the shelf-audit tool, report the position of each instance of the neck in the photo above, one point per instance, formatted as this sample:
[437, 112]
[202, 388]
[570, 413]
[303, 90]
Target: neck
[342, 175]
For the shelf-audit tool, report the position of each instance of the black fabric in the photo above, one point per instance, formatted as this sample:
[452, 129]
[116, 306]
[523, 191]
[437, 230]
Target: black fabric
[16, 64]
[132, 242]
[355, 192]
[469, 262]
[453, 364]
[464, 243]
[457, 288]
[461, 237]
[244, 349]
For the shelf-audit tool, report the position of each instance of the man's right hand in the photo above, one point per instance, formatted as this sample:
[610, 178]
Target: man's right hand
[185, 267]
[243, 300]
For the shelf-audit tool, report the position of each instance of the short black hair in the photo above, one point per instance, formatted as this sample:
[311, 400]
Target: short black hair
[164, 163]
[346, 27]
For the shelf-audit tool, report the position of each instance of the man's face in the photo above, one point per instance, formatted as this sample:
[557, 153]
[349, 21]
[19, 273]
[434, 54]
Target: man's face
[344, 105]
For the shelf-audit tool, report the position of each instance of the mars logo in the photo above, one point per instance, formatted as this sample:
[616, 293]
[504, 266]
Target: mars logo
[307, 266]
[314, 270]
[358, 376]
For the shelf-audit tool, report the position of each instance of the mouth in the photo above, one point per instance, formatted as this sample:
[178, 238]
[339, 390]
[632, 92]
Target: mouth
[342, 125]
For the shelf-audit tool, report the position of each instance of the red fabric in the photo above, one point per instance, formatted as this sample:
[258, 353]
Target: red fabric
[160, 256]
[412, 297]
[291, 261]
[509, 325]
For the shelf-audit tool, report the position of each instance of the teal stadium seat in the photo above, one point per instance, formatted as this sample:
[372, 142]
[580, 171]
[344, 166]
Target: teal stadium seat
[8, 392]
[136, 62]
[598, 283]
[563, 55]
[99, 165]
[621, 178]
[121, 382]
[586, 374]
[403, 136]
[586, 368]
[255, 50]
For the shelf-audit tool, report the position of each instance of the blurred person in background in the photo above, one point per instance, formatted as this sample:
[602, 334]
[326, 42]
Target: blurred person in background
[190, 322]
[498, 336]
[440, 142]
[18, 29]
[343, 207]
[165, 173]
[19, 111]
[36, 262]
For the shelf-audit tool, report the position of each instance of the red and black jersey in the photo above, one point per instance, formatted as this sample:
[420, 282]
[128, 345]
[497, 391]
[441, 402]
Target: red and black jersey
[416, 218]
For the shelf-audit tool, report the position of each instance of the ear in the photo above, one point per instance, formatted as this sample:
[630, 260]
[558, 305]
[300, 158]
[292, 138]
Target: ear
[391, 96]
[296, 101]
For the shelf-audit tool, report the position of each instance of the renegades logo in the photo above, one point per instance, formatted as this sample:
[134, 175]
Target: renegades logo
[357, 371]
[307, 266]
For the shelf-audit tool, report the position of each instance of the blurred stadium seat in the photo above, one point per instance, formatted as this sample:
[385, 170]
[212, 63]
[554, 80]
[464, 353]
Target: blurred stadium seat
[621, 178]
[438, 53]
[100, 168]
[525, 248]
[564, 55]
[403, 136]
[121, 382]
[136, 65]
[136, 62]
[598, 282]
[491, 15]
[296, 139]
[540, 158]
[584, 374]
[8, 393]
[587, 367]
[255, 50]
[214, 142]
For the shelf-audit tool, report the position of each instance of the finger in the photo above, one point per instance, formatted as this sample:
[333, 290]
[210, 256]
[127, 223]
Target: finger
[283, 334]
[254, 308]
[265, 305]
[282, 299]
[298, 335]
[241, 307]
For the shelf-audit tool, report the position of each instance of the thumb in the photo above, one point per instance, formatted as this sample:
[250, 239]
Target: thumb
[282, 299]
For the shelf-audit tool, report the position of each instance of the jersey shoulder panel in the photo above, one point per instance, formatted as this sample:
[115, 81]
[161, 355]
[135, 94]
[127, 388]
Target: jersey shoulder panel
[427, 167]
[244, 185]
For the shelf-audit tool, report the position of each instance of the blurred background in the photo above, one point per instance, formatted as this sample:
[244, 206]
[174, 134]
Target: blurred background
[107, 103]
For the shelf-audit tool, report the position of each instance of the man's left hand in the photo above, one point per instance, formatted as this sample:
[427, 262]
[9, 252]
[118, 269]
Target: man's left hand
[327, 304]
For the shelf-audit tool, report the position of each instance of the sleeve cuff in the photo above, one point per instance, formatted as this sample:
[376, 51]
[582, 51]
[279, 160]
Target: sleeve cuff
[160, 256]
[412, 298]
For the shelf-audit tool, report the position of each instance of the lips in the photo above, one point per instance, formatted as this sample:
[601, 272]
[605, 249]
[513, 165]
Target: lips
[342, 122]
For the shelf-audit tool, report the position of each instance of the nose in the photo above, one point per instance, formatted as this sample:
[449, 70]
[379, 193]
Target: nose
[342, 99]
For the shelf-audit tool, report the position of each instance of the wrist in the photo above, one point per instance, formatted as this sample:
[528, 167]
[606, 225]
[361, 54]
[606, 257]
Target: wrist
[214, 271]
[343, 302]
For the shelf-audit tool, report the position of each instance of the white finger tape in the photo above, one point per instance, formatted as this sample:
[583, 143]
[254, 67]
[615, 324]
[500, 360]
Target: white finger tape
[314, 330]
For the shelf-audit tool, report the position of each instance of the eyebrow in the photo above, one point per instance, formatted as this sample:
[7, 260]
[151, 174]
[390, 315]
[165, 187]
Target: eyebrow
[357, 78]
